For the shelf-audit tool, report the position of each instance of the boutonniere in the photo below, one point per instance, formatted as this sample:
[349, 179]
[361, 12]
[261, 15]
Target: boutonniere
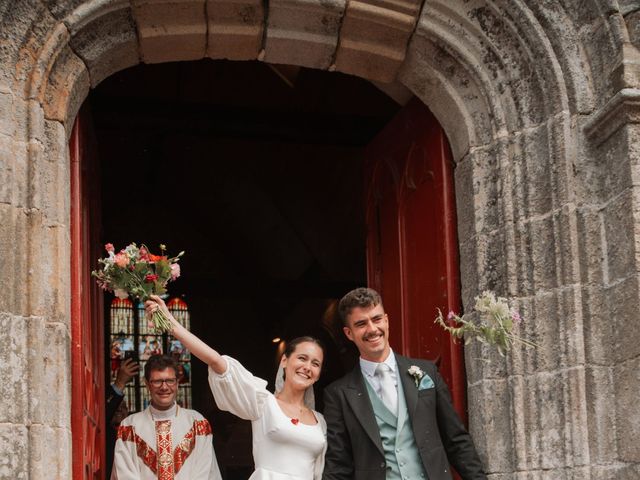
[417, 374]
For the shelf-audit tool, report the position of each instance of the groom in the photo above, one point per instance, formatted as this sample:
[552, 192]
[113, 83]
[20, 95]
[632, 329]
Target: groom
[391, 418]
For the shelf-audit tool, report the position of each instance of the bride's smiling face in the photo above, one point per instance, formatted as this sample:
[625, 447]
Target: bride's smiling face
[302, 367]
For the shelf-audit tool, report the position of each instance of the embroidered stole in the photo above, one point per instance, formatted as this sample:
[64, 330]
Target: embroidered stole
[165, 463]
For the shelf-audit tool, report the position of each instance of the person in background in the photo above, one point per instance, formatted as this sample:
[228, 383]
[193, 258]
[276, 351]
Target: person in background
[164, 441]
[116, 405]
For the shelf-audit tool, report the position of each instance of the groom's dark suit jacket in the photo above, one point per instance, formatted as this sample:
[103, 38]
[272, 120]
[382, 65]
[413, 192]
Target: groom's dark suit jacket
[354, 446]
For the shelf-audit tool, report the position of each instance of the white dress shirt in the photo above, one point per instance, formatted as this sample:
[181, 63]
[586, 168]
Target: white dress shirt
[369, 371]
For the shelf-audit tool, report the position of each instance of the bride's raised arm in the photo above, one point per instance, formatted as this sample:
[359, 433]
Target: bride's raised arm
[196, 346]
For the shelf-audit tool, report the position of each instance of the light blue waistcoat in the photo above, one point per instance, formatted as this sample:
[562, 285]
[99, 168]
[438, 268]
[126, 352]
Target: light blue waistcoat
[399, 445]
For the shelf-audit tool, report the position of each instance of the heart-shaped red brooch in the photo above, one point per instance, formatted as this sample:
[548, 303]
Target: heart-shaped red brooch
[294, 421]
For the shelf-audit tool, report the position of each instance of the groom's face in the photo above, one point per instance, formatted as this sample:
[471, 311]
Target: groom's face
[368, 328]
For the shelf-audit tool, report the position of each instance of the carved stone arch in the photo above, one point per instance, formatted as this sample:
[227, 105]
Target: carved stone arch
[512, 83]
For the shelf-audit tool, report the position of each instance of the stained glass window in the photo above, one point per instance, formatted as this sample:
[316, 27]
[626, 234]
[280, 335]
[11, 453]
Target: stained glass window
[130, 335]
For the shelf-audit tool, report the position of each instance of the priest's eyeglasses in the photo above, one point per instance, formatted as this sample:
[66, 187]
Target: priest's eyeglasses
[171, 382]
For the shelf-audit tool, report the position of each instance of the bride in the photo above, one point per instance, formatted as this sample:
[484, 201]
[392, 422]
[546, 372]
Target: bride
[289, 436]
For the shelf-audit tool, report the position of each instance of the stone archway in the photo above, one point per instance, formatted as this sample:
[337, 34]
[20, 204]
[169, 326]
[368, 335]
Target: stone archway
[532, 96]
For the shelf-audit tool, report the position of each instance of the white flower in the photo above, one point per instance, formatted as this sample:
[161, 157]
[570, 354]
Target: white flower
[485, 301]
[132, 250]
[120, 293]
[416, 372]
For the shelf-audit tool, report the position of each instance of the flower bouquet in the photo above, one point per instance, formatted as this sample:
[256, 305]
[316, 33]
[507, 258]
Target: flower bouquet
[137, 272]
[494, 327]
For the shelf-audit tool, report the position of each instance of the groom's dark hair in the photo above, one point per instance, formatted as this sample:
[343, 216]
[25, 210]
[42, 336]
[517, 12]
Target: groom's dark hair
[358, 298]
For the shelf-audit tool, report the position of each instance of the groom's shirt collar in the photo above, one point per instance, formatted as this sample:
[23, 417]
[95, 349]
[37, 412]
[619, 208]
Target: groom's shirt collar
[369, 368]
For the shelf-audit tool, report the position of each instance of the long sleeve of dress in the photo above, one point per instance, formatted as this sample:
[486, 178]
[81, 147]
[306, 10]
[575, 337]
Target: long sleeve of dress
[238, 391]
[319, 463]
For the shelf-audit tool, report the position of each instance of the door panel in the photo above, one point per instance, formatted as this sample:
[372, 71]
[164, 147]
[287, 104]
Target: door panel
[87, 364]
[411, 238]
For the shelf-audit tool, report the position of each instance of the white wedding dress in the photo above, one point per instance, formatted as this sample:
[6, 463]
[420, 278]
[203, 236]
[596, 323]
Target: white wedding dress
[282, 449]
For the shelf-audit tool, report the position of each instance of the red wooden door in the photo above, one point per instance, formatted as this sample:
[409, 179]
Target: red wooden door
[87, 364]
[412, 249]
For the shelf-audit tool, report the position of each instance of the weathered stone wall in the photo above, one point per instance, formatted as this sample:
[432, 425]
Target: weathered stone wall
[539, 99]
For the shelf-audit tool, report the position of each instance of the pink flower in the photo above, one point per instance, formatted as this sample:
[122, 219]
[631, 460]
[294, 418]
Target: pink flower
[175, 271]
[152, 277]
[515, 316]
[122, 259]
[451, 316]
[144, 253]
[109, 247]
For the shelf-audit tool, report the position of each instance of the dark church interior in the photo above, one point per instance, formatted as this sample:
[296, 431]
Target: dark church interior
[256, 171]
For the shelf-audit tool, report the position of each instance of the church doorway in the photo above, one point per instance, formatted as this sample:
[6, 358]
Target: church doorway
[286, 187]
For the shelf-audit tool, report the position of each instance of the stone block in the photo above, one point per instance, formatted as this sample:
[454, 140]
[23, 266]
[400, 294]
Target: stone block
[68, 86]
[604, 171]
[621, 236]
[493, 267]
[303, 33]
[601, 417]
[487, 186]
[235, 29]
[546, 323]
[627, 392]
[599, 326]
[568, 240]
[616, 161]
[483, 362]
[551, 401]
[490, 424]
[13, 365]
[49, 452]
[49, 371]
[14, 240]
[539, 254]
[622, 318]
[591, 247]
[49, 175]
[465, 182]
[14, 461]
[374, 38]
[469, 272]
[13, 172]
[7, 125]
[108, 44]
[171, 30]
[34, 115]
[541, 182]
[49, 265]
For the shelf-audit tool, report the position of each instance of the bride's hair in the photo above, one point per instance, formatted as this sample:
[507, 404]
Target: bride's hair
[292, 344]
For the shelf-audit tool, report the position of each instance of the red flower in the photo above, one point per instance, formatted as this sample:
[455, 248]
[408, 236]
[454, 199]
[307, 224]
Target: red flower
[109, 247]
[156, 258]
[295, 421]
[152, 277]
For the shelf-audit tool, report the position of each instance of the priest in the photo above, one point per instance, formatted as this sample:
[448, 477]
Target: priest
[164, 441]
